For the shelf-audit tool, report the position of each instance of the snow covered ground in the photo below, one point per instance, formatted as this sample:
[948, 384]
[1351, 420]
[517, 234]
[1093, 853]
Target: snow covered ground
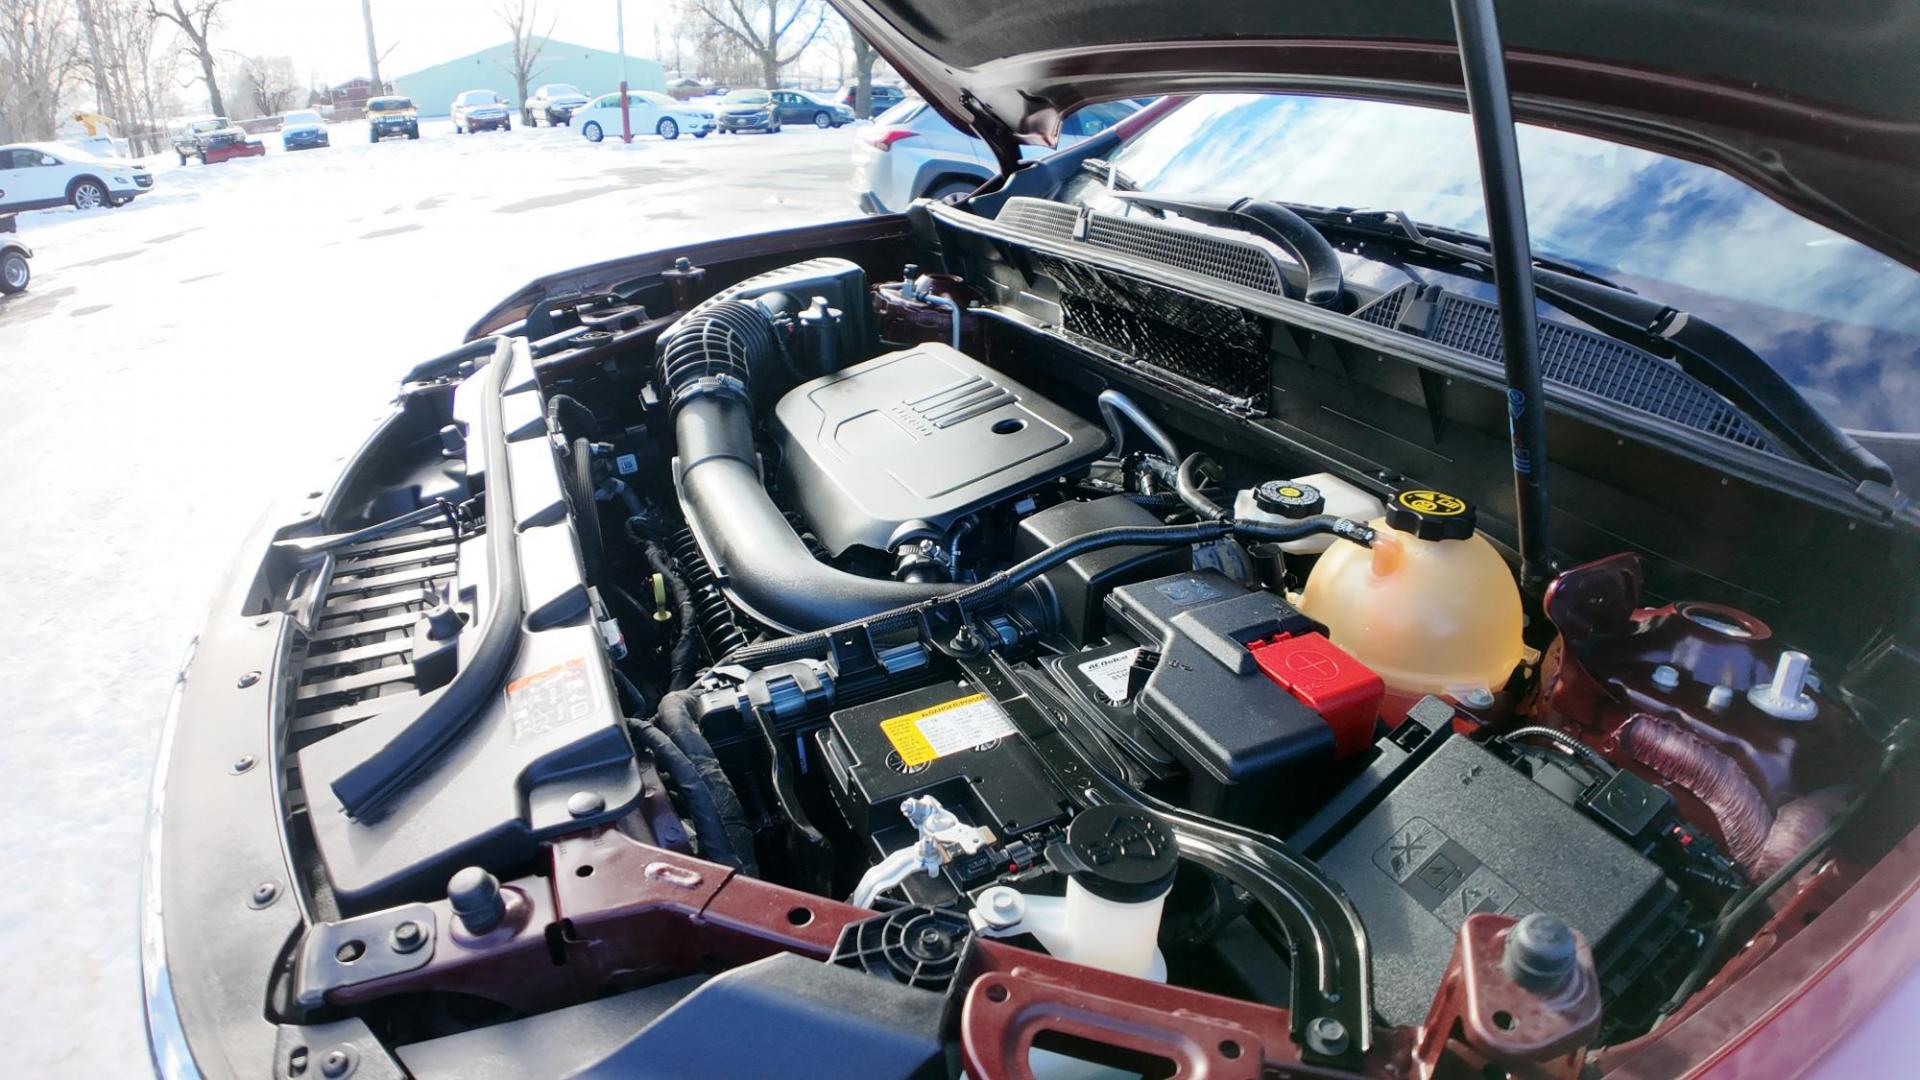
[178, 363]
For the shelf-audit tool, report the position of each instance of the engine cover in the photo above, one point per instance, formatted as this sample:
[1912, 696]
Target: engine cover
[922, 435]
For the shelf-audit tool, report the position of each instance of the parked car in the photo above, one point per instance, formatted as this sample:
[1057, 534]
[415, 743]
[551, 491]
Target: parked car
[214, 139]
[649, 112]
[1272, 598]
[800, 107]
[303, 129]
[686, 89]
[392, 115]
[748, 110]
[554, 103]
[34, 176]
[911, 152]
[882, 97]
[480, 110]
[14, 253]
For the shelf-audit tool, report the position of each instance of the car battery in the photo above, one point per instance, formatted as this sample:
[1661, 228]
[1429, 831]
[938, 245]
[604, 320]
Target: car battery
[954, 743]
[1232, 681]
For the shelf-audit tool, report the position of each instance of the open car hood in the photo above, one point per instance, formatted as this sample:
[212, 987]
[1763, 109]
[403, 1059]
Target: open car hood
[1816, 105]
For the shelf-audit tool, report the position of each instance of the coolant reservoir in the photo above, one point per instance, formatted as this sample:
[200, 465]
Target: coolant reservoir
[1431, 607]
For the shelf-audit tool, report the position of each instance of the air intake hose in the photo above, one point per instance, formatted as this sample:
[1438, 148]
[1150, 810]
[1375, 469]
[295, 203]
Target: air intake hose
[708, 369]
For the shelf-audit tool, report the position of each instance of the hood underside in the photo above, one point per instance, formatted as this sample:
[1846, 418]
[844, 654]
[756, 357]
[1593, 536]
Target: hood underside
[1816, 105]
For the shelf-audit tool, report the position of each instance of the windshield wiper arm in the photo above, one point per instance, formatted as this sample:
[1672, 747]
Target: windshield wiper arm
[1716, 358]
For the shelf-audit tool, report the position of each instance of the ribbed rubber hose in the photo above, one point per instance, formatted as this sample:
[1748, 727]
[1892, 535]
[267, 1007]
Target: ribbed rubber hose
[683, 658]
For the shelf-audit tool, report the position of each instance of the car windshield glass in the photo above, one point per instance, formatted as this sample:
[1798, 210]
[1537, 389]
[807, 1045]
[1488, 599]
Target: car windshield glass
[209, 125]
[748, 97]
[477, 97]
[1837, 319]
[389, 104]
[303, 118]
[899, 114]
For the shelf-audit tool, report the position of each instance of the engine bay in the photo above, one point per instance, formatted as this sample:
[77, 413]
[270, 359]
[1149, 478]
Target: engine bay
[901, 610]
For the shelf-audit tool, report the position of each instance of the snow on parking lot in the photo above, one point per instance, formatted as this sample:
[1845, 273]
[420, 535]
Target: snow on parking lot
[180, 362]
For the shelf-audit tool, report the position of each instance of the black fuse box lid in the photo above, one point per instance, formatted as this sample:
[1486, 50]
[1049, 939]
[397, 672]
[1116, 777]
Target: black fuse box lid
[1467, 833]
[1252, 748]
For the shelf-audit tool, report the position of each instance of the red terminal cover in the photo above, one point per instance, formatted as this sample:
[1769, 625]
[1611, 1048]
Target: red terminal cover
[1325, 679]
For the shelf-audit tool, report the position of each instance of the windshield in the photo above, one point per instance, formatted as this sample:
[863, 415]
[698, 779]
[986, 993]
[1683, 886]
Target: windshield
[478, 97]
[302, 118]
[1839, 320]
[562, 90]
[389, 104]
[215, 124]
[748, 97]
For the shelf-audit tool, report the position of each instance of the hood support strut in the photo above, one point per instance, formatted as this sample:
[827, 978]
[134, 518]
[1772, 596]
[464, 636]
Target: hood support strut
[1483, 65]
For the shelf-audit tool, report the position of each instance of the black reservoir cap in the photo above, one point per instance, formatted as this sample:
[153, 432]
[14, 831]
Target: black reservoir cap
[1289, 499]
[1431, 515]
[1120, 853]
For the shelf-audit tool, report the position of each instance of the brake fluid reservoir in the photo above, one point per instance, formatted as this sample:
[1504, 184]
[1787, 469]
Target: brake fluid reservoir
[1322, 493]
[1431, 607]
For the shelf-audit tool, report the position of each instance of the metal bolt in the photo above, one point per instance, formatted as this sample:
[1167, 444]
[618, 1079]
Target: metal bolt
[1477, 698]
[964, 639]
[1666, 677]
[248, 679]
[585, 803]
[1327, 1036]
[263, 895]
[336, 1064]
[1003, 900]
[241, 764]
[408, 936]
[1540, 952]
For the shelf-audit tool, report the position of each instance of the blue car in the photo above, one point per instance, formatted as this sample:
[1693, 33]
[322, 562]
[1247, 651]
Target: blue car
[303, 130]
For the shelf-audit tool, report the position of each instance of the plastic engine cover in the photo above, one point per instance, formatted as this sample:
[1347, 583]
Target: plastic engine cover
[922, 435]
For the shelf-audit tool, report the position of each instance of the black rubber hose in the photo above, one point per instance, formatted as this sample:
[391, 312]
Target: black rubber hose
[996, 588]
[586, 510]
[704, 814]
[567, 414]
[1187, 483]
[675, 717]
[1297, 235]
[707, 369]
[683, 658]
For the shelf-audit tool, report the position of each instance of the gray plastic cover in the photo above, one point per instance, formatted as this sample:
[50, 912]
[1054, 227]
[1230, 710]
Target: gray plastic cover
[922, 435]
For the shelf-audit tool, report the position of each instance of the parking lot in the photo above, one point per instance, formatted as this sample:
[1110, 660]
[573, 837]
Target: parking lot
[178, 363]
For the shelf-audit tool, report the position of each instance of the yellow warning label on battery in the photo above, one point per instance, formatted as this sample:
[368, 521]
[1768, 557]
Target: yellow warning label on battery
[934, 732]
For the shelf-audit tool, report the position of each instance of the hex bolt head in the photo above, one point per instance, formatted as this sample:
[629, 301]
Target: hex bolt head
[585, 803]
[247, 680]
[408, 937]
[241, 764]
[1327, 1036]
[1540, 952]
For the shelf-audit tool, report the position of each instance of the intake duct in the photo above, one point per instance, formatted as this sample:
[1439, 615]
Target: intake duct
[708, 368]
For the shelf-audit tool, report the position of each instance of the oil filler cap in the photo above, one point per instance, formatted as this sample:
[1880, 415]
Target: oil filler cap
[1431, 515]
[1120, 853]
[1289, 499]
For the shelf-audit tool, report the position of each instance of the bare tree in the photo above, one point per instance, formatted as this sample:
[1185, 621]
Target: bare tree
[195, 20]
[521, 16]
[269, 83]
[864, 54]
[123, 43]
[38, 53]
[776, 32]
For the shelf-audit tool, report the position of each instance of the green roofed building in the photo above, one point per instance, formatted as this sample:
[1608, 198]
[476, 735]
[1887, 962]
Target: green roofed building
[592, 71]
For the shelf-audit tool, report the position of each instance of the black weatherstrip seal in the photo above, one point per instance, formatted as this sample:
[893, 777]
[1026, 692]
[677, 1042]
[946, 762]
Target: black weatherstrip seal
[1332, 965]
[439, 717]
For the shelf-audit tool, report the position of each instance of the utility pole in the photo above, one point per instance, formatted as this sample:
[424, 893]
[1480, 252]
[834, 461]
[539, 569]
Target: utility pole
[375, 88]
[620, 35]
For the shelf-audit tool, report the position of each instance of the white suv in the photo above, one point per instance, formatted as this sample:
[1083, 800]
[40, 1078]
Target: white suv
[910, 152]
[38, 175]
